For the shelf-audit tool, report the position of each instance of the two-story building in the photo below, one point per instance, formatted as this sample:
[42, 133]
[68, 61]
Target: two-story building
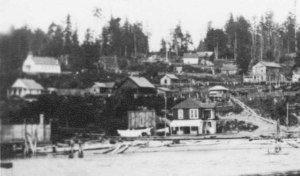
[37, 65]
[266, 72]
[192, 117]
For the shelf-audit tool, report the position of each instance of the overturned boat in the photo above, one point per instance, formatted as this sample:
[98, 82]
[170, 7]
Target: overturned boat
[134, 133]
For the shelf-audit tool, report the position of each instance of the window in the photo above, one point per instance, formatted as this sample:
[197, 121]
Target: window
[209, 124]
[194, 128]
[180, 113]
[194, 113]
[206, 114]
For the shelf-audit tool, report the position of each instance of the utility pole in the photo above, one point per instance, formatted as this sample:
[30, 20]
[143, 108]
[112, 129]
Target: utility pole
[165, 96]
[287, 114]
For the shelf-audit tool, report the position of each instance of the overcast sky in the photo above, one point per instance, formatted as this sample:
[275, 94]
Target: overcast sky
[158, 16]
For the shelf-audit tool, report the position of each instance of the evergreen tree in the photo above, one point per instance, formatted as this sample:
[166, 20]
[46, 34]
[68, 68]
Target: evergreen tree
[68, 36]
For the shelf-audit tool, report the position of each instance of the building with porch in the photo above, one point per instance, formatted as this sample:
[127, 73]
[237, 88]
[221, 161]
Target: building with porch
[192, 117]
[24, 87]
[217, 93]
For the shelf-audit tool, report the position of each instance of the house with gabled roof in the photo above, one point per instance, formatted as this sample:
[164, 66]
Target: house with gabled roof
[265, 71]
[192, 117]
[229, 69]
[102, 88]
[37, 65]
[138, 86]
[25, 88]
[169, 79]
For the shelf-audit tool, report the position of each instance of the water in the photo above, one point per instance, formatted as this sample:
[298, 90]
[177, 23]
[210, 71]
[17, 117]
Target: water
[225, 161]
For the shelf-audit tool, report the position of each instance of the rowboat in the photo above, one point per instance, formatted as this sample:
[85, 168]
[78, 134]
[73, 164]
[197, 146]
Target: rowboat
[134, 133]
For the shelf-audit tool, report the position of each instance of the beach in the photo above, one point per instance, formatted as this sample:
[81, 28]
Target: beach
[226, 157]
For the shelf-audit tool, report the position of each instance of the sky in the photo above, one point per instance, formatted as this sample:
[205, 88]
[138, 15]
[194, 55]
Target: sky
[158, 17]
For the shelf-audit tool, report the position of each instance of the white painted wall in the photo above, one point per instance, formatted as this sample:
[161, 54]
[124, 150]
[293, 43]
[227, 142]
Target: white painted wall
[191, 61]
[30, 67]
[165, 81]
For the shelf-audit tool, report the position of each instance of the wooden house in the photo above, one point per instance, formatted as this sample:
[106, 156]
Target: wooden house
[24, 87]
[266, 72]
[217, 93]
[138, 86]
[192, 117]
[37, 65]
[102, 88]
[229, 69]
[169, 79]
[190, 59]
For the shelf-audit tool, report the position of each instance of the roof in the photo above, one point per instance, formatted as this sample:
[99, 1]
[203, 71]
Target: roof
[229, 67]
[27, 83]
[141, 82]
[172, 76]
[178, 123]
[104, 84]
[191, 104]
[269, 64]
[217, 88]
[164, 89]
[205, 54]
[45, 60]
[190, 55]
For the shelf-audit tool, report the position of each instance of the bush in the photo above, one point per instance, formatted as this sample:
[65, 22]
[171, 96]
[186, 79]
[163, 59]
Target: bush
[234, 125]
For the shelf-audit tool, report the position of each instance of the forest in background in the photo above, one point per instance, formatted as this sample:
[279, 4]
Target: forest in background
[246, 41]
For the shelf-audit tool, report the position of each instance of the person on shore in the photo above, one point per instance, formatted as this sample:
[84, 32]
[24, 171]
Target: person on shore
[80, 150]
[71, 155]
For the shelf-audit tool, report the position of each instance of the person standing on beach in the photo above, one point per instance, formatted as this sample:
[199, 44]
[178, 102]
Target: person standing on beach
[71, 155]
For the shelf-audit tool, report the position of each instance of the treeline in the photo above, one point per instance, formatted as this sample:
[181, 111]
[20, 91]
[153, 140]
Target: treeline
[246, 41]
[80, 112]
[123, 40]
